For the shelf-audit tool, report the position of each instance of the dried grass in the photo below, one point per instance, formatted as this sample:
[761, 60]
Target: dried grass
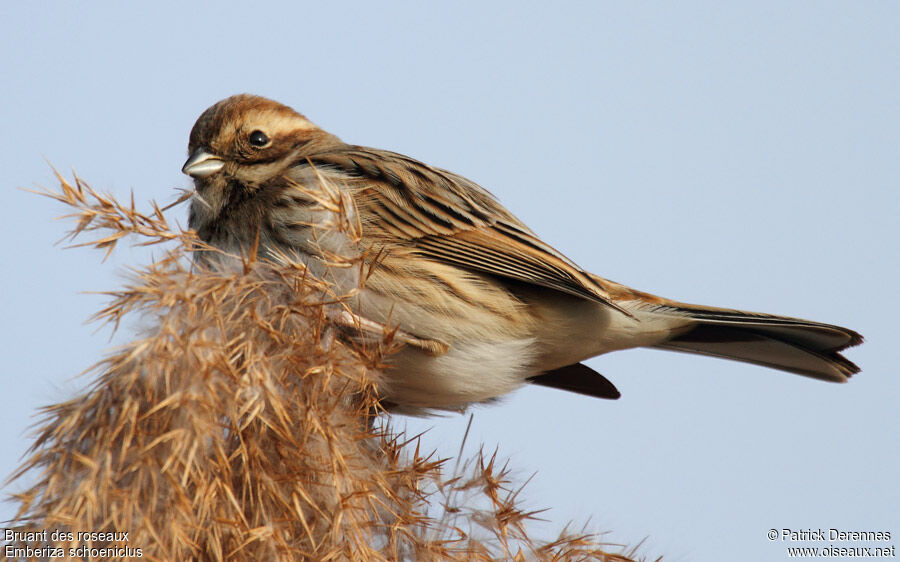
[238, 426]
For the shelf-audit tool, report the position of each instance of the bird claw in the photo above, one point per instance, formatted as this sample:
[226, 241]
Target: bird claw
[343, 317]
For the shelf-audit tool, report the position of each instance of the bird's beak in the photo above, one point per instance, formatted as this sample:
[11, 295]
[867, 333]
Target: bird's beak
[202, 164]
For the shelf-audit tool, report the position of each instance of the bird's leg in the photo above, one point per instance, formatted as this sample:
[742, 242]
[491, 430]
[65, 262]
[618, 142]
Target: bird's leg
[344, 317]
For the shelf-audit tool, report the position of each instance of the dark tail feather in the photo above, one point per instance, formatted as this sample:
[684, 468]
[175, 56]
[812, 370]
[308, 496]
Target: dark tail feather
[578, 378]
[797, 346]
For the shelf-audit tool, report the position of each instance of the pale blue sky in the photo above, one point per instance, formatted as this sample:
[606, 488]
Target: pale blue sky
[743, 155]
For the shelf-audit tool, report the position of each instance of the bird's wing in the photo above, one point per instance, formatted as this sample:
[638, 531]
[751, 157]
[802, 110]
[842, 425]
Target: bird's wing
[451, 219]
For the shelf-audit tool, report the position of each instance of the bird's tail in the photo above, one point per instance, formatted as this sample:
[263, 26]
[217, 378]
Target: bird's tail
[797, 346]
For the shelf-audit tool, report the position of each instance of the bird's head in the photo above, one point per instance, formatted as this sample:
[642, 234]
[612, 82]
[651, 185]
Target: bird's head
[249, 140]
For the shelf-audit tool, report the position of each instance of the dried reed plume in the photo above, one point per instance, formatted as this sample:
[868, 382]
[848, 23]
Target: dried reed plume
[239, 426]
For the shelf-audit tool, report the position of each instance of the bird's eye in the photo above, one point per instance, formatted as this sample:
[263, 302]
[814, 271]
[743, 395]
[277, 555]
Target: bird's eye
[258, 139]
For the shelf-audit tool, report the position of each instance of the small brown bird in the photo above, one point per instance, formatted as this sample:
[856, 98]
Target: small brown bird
[485, 305]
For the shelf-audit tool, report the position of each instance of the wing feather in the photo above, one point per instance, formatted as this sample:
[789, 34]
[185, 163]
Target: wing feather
[448, 218]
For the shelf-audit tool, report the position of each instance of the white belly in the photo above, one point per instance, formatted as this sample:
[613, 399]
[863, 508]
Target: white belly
[469, 372]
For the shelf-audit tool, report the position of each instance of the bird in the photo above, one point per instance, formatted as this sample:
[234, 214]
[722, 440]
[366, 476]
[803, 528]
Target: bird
[484, 304]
